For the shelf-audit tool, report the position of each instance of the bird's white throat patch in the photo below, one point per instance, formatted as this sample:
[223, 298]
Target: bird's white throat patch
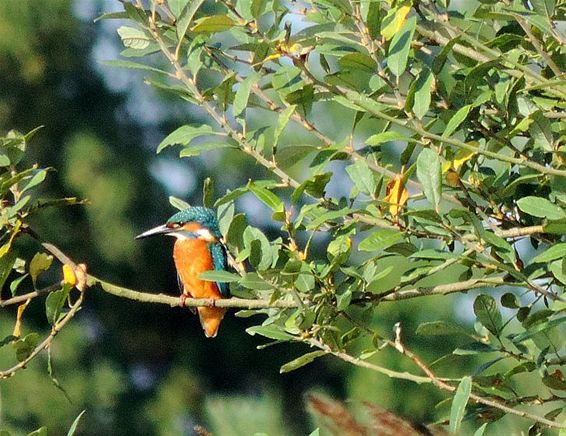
[203, 234]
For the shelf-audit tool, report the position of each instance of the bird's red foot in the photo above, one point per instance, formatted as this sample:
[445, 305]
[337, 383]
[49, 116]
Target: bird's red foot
[182, 300]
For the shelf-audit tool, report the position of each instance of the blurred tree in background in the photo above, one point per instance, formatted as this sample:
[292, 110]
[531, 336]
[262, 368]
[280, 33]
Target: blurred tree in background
[386, 149]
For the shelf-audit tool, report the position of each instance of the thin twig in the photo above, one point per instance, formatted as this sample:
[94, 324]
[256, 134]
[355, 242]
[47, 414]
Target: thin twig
[20, 298]
[46, 343]
[399, 346]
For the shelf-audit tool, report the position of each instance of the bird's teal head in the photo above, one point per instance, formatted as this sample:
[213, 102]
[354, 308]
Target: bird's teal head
[193, 223]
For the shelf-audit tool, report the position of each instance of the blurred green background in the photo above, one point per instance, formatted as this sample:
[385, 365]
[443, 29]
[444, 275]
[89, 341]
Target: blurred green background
[147, 369]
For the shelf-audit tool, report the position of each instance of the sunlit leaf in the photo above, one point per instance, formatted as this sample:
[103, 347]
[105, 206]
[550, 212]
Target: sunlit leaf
[75, 424]
[219, 276]
[459, 404]
[398, 53]
[394, 20]
[133, 38]
[213, 24]
[185, 134]
[456, 120]
[541, 207]
[303, 360]
[380, 240]
[397, 195]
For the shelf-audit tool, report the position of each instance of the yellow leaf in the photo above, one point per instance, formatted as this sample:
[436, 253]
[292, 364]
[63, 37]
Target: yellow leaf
[397, 195]
[395, 20]
[69, 275]
[462, 156]
[8, 245]
[18, 326]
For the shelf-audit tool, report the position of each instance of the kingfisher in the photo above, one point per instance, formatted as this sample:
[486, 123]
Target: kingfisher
[198, 248]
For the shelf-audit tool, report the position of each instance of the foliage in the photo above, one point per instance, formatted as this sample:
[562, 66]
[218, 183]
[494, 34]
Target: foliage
[451, 178]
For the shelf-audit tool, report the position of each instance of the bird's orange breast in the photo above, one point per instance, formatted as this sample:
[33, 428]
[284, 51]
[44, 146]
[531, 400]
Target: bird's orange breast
[192, 257]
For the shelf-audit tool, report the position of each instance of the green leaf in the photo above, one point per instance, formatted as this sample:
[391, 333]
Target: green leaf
[73, 428]
[541, 131]
[42, 431]
[25, 346]
[54, 303]
[363, 177]
[380, 240]
[253, 281]
[39, 263]
[271, 331]
[538, 328]
[8, 340]
[303, 360]
[282, 121]
[481, 430]
[541, 208]
[398, 53]
[219, 276]
[38, 178]
[555, 227]
[394, 20]
[258, 8]
[328, 216]
[225, 214]
[422, 96]
[185, 17]
[208, 192]
[459, 404]
[197, 149]
[120, 63]
[243, 94]
[292, 154]
[502, 247]
[213, 24]
[287, 79]
[485, 308]
[267, 197]
[304, 281]
[6, 264]
[177, 203]
[510, 301]
[544, 7]
[357, 63]
[177, 6]
[440, 58]
[439, 328]
[457, 119]
[553, 252]
[185, 134]
[133, 38]
[430, 175]
[343, 300]
[384, 137]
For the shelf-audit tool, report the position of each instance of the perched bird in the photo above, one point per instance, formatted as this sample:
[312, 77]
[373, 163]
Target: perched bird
[197, 249]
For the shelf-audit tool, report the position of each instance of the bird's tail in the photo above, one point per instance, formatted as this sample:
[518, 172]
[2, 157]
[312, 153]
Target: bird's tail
[210, 318]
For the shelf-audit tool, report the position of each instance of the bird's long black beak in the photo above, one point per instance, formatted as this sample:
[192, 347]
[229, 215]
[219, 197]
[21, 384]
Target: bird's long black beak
[159, 230]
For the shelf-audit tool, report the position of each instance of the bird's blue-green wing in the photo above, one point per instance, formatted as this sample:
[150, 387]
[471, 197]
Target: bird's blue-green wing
[220, 261]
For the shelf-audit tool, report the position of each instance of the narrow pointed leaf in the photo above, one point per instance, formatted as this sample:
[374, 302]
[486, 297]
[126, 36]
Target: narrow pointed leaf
[430, 175]
[301, 361]
[459, 404]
